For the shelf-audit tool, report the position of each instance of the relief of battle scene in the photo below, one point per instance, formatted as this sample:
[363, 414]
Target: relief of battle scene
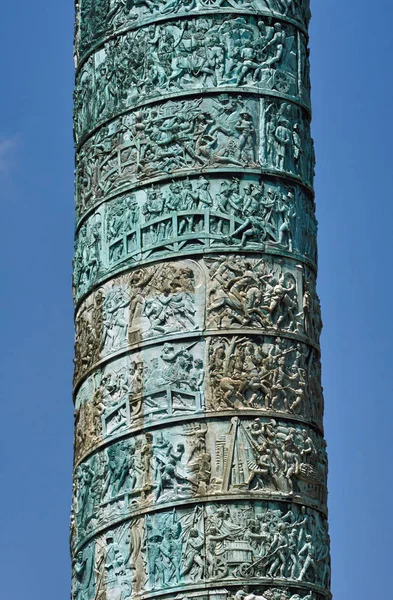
[160, 300]
[98, 19]
[238, 542]
[223, 132]
[169, 298]
[167, 383]
[262, 293]
[230, 545]
[216, 132]
[271, 375]
[195, 215]
[155, 384]
[262, 457]
[191, 54]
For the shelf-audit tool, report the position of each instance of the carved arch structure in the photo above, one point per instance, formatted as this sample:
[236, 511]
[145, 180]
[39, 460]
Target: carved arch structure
[200, 463]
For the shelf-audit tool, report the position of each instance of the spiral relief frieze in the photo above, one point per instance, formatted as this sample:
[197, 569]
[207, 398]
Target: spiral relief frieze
[200, 465]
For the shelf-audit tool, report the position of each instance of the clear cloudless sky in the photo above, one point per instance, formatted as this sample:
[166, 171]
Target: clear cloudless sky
[352, 52]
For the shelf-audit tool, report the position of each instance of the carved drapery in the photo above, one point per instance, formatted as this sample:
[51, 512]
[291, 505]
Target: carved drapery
[200, 462]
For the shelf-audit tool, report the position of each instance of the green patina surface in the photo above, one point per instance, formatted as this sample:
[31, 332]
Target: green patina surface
[200, 462]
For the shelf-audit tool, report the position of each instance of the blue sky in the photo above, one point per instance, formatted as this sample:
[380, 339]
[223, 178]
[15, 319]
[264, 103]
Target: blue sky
[352, 99]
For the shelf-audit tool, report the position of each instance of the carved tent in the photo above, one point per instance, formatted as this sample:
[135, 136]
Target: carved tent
[200, 462]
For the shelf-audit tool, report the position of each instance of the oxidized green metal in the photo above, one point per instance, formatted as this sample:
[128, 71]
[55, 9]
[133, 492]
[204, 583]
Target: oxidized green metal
[200, 463]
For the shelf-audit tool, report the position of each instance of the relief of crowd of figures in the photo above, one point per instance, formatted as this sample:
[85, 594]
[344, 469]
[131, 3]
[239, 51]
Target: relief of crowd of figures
[214, 543]
[157, 384]
[98, 19]
[227, 292]
[196, 54]
[171, 382]
[194, 215]
[277, 376]
[144, 304]
[200, 467]
[218, 132]
[237, 456]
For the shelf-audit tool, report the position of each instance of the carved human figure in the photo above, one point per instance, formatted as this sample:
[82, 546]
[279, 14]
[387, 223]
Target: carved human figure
[115, 321]
[83, 588]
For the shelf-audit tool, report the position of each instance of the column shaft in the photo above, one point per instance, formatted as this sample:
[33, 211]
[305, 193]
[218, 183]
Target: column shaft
[200, 462]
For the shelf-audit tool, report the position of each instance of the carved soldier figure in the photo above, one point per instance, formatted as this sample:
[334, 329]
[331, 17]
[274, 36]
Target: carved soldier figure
[283, 144]
[278, 548]
[193, 556]
[308, 553]
[84, 575]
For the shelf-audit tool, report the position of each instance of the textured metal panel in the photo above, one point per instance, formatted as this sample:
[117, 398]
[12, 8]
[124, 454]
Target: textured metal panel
[200, 463]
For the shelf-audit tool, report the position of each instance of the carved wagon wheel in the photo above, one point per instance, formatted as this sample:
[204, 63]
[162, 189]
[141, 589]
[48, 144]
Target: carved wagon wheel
[220, 568]
[281, 82]
[245, 570]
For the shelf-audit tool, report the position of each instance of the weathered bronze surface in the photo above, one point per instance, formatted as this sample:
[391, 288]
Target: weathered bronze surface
[200, 463]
